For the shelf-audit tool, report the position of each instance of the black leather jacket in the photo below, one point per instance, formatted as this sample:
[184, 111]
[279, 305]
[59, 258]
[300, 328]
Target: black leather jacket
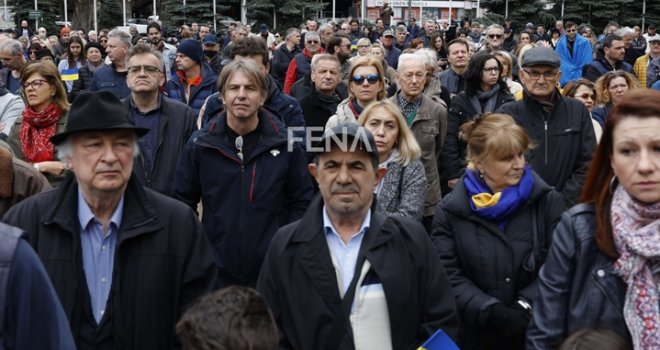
[577, 286]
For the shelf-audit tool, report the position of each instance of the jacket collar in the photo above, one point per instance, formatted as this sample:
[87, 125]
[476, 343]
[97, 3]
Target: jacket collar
[273, 132]
[139, 215]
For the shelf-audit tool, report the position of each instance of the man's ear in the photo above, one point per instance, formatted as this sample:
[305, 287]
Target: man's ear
[313, 169]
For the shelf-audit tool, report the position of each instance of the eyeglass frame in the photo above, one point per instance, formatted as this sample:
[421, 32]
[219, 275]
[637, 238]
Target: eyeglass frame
[35, 84]
[149, 69]
[537, 75]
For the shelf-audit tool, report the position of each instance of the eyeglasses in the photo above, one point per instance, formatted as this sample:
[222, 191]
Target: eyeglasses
[239, 146]
[311, 42]
[104, 41]
[147, 69]
[370, 78]
[587, 96]
[366, 46]
[491, 70]
[655, 42]
[571, 30]
[35, 84]
[536, 74]
[493, 36]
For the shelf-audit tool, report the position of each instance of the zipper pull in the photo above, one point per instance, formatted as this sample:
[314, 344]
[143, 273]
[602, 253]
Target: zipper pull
[545, 125]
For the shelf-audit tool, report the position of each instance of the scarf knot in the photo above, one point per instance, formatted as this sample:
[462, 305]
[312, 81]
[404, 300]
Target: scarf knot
[36, 131]
[636, 233]
[487, 99]
[498, 206]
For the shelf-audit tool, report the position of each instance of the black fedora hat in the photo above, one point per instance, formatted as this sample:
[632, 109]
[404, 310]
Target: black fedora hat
[98, 110]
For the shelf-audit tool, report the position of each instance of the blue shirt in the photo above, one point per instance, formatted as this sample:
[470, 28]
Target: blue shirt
[345, 255]
[149, 142]
[98, 253]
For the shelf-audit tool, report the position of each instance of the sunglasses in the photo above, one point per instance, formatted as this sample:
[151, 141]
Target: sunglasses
[571, 30]
[588, 96]
[493, 36]
[313, 42]
[239, 146]
[370, 78]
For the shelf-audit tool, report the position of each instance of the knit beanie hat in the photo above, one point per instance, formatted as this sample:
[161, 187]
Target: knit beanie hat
[193, 49]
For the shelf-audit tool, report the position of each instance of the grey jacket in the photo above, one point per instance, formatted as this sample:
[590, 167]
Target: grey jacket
[403, 192]
[429, 128]
[343, 116]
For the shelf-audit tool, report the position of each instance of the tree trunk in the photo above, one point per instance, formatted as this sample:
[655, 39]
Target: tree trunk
[83, 15]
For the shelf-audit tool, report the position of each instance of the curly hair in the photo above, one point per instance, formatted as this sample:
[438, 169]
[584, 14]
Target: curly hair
[603, 84]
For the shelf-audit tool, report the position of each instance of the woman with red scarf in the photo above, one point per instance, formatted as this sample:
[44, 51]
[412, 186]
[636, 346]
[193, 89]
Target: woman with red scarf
[45, 115]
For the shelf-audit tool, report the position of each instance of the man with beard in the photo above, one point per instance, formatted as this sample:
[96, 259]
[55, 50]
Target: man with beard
[211, 49]
[155, 33]
[614, 52]
[340, 47]
[574, 51]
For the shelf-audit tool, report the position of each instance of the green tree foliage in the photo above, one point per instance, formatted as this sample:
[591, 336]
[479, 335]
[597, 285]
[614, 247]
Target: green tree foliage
[110, 14]
[200, 11]
[598, 13]
[290, 13]
[50, 9]
[520, 11]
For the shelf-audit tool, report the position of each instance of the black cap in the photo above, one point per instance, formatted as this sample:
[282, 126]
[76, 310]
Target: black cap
[97, 110]
[651, 26]
[345, 136]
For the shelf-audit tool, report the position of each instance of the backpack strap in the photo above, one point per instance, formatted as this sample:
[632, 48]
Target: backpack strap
[9, 238]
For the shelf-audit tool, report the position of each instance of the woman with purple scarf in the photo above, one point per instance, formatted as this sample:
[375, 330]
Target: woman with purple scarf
[492, 232]
[602, 269]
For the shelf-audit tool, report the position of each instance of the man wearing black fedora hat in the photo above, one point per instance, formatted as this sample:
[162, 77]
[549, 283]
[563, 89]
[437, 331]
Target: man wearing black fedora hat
[124, 259]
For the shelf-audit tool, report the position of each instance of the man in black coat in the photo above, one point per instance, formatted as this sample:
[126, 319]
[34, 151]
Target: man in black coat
[560, 126]
[322, 100]
[345, 276]
[125, 261]
[284, 54]
[170, 122]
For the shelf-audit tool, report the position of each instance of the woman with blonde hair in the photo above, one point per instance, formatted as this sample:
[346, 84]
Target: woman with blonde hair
[611, 87]
[45, 115]
[507, 74]
[492, 231]
[403, 190]
[366, 84]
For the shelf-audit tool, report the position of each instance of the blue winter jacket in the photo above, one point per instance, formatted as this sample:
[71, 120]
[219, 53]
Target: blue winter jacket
[198, 95]
[245, 203]
[285, 107]
[107, 78]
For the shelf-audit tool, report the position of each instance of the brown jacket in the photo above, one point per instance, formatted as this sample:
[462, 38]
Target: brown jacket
[429, 128]
[18, 180]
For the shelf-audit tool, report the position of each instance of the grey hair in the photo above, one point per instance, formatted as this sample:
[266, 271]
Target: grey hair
[91, 32]
[65, 149]
[142, 49]
[324, 57]
[429, 56]
[624, 31]
[404, 57]
[312, 35]
[494, 26]
[123, 36]
[324, 26]
[12, 45]
[290, 33]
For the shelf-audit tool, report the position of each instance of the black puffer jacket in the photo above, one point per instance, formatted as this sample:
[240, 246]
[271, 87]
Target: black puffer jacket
[577, 287]
[487, 265]
[460, 112]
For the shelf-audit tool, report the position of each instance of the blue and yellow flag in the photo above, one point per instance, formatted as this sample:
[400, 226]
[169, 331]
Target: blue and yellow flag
[439, 341]
[69, 74]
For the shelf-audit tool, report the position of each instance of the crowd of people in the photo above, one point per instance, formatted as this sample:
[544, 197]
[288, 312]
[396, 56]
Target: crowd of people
[332, 186]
